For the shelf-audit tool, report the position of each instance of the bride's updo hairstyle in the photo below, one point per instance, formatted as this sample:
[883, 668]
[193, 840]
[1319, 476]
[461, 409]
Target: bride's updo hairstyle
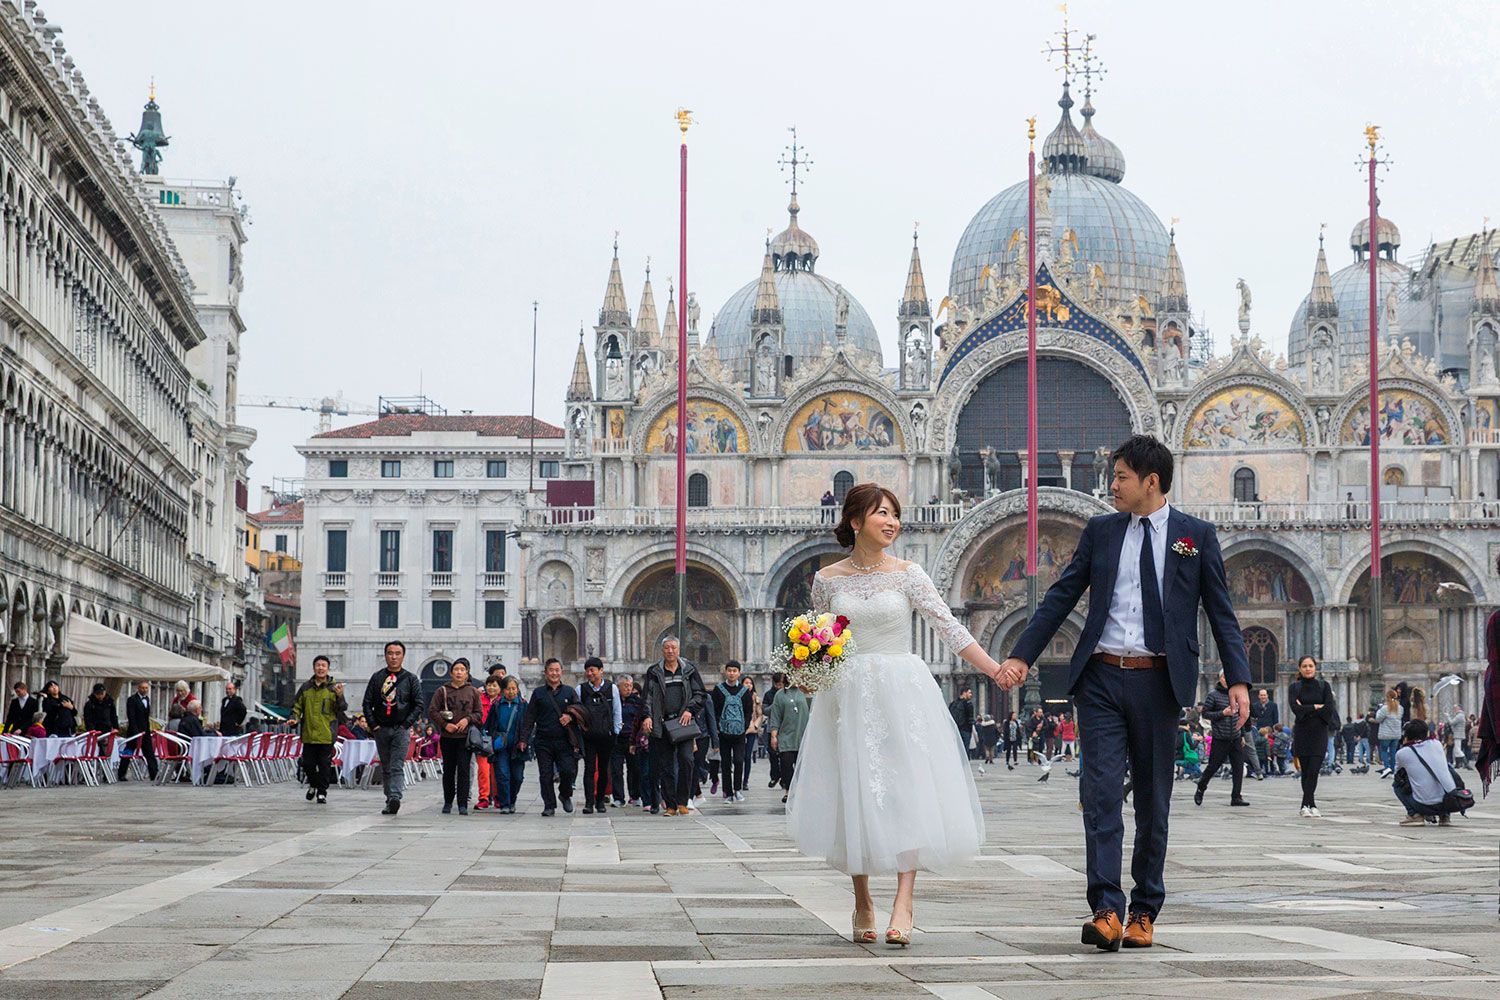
[859, 503]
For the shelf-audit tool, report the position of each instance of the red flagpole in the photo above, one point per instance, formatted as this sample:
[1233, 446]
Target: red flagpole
[1377, 676]
[1031, 501]
[683, 121]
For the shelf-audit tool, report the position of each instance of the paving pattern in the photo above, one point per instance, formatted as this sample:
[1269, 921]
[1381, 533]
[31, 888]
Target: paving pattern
[128, 891]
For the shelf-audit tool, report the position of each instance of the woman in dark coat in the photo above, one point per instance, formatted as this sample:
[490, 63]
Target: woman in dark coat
[1317, 717]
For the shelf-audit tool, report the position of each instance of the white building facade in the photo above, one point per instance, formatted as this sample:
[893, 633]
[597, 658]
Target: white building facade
[207, 225]
[97, 322]
[410, 529]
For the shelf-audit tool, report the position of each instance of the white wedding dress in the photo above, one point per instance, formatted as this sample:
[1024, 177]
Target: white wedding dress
[882, 783]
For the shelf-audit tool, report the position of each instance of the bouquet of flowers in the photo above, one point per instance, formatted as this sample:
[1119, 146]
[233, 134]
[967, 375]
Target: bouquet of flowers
[812, 654]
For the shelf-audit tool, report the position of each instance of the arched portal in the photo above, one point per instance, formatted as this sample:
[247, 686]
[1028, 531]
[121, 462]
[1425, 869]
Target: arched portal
[433, 675]
[560, 639]
[1078, 411]
[711, 614]
[1263, 653]
[1417, 611]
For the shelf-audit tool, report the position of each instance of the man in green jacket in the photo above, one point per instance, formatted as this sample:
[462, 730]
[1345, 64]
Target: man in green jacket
[787, 722]
[316, 713]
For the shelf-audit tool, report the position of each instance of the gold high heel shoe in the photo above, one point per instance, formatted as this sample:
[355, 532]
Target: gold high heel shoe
[862, 935]
[895, 935]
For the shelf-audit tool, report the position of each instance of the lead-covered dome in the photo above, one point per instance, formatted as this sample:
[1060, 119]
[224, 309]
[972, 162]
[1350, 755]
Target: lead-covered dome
[1115, 229]
[809, 309]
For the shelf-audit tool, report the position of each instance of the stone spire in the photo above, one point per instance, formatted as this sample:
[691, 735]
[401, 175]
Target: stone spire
[580, 389]
[767, 309]
[1486, 290]
[914, 301]
[669, 328]
[645, 316]
[1321, 303]
[615, 311]
[1174, 288]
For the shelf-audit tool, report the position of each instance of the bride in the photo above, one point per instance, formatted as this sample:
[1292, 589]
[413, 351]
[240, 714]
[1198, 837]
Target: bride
[882, 783]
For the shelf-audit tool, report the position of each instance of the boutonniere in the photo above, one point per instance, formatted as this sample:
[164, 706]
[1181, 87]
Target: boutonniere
[1184, 547]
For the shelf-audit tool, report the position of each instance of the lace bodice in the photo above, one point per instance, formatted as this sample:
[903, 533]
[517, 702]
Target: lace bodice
[879, 606]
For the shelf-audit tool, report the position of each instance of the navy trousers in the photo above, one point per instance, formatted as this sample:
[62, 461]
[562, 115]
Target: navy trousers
[1126, 714]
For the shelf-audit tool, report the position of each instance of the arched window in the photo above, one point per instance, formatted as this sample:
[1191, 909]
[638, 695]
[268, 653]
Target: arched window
[1261, 651]
[843, 482]
[1244, 485]
[697, 490]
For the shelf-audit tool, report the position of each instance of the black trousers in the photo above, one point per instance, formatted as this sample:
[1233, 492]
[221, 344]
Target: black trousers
[596, 754]
[456, 769]
[625, 770]
[145, 748]
[555, 757]
[1231, 748]
[788, 769]
[1310, 768]
[671, 772]
[750, 741]
[773, 757]
[317, 764]
[1013, 751]
[732, 753]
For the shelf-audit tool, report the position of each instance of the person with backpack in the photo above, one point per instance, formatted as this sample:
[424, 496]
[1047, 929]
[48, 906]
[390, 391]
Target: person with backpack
[962, 710]
[1013, 737]
[625, 764]
[1426, 784]
[734, 709]
[603, 702]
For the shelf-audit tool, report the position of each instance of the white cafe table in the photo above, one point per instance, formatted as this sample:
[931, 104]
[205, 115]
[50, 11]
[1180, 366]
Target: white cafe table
[203, 750]
[355, 754]
[46, 749]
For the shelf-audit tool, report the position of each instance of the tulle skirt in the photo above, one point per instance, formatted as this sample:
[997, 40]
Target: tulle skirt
[882, 783]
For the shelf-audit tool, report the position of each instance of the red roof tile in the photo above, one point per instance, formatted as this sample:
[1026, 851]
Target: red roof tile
[406, 424]
[288, 514]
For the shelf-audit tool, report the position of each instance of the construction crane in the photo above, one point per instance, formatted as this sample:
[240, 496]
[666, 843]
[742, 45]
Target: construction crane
[326, 407]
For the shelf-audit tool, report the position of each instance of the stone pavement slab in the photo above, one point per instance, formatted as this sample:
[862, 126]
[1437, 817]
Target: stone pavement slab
[252, 892]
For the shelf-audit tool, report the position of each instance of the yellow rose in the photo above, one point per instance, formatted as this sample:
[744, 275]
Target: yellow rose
[814, 645]
[800, 622]
[800, 652]
[825, 620]
[835, 650]
[794, 633]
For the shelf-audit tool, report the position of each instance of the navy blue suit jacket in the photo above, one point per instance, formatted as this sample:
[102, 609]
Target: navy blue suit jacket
[1187, 580]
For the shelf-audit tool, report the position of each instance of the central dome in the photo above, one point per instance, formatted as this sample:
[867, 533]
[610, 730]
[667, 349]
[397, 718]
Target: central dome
[1115, 229]
[809, 310]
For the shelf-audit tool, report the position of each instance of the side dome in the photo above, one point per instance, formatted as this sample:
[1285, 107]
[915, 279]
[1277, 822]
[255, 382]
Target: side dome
[809, 316]
[1351, 290]
[1115, 229]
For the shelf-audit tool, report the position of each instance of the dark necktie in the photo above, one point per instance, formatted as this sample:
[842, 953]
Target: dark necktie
[1156, 627]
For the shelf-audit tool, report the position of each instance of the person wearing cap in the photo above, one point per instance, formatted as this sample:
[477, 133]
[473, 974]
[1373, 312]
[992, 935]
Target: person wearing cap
[99, 714]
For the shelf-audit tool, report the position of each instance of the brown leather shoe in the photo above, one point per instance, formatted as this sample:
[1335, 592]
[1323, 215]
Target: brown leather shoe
[1103, 931]
[1138, 929]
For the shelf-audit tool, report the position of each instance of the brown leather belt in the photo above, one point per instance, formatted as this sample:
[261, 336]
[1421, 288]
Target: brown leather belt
[1132, 662]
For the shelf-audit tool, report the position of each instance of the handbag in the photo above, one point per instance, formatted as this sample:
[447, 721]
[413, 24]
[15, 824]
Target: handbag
[1459, 799]
[478, 741]
[678, 733]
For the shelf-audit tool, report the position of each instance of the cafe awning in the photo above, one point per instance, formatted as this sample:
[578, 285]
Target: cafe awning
[96, 650]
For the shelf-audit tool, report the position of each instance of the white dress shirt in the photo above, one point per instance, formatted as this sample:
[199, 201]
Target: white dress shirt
[1125, 630]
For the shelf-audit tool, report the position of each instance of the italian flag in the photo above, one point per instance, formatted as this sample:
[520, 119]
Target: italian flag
[281, 640]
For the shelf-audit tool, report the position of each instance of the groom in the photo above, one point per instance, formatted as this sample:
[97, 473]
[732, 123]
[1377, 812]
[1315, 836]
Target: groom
[1147, 569]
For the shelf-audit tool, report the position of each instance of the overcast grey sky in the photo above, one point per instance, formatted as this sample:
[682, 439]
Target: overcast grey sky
[419, 173]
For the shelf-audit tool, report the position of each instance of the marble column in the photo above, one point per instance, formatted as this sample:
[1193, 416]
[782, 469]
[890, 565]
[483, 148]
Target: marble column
[1066, 458]
[1025, 457]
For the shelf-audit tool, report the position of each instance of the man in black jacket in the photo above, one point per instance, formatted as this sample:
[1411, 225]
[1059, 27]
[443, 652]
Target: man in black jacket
[192, 720]
[1228, 743]
[673, 691]
[24, 709]
[393, 704]
[603, 702]
[138, 723]
[554, 753]
[231, 711]
[962, 710]
[99, 715]
[778, 681]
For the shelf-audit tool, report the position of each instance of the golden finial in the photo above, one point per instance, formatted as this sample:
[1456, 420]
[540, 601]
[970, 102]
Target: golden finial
[684, 119]
[1372, 136]
[1031, 132]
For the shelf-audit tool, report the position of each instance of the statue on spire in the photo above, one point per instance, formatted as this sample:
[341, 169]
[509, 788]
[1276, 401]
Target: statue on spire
[151, 137]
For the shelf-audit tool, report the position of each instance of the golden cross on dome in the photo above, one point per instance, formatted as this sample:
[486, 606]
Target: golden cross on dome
[1092, 67]
[1065, 49]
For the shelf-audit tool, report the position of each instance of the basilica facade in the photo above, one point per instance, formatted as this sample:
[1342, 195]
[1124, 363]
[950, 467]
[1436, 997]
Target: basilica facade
[791, 398]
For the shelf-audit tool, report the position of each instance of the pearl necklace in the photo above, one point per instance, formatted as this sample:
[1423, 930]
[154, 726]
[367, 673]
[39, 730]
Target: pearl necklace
[868, 569]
